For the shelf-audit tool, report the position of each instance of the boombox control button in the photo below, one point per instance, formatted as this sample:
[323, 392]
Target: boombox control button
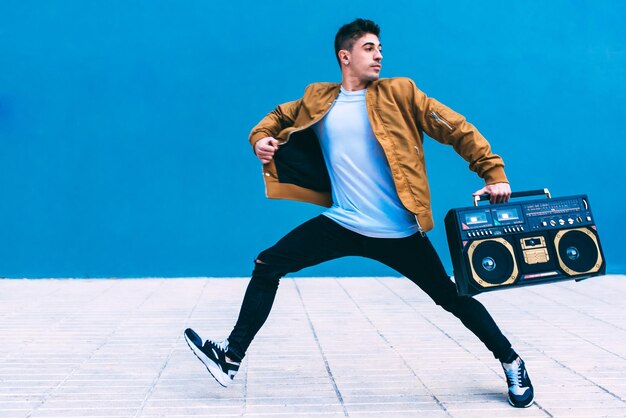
[570, 221]
[490, 232]
[522, 228]
[589, 218]
[579, 220]
[544, 223]
[553, 222]
[561, 222]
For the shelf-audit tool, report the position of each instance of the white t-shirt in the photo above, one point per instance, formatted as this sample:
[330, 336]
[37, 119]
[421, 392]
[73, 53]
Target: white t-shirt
[365, 199]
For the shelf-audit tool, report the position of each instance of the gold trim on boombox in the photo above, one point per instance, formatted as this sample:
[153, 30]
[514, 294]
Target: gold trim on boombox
[534, 254]
[477, 279]
[557, 239]
[537, 256]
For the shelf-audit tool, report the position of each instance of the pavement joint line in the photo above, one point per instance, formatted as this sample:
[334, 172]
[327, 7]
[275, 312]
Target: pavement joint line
[50, 392]
[582, 313]
[274, 405]
[538, 405]
[59, 320]
[265, 414]
[321, 350]
[171, 416]
[435, 398]
[245, 388]
[497, 373]
[169, 355]
[564, 365]
[562, 286]
[366, 390]
[48, 294]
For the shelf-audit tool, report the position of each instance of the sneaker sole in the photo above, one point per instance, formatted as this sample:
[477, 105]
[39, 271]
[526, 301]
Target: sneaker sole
[532, 401]
[213, 369]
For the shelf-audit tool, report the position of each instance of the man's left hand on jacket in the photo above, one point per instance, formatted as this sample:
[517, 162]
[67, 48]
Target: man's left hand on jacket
[265, 149]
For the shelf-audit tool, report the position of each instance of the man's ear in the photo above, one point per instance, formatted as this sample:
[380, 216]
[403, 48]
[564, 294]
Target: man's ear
[344, 55]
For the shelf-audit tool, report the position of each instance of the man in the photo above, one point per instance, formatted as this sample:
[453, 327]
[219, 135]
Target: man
[356, 147]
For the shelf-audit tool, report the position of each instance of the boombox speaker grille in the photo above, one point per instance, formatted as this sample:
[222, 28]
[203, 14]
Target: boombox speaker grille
[492, 262]
[578, 251]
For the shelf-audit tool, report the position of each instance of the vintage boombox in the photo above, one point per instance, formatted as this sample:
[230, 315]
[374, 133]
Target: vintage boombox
[517, 244]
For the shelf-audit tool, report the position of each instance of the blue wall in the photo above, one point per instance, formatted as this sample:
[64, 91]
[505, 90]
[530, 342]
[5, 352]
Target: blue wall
[123, 125]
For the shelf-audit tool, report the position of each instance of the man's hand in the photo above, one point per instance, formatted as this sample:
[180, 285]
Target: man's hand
[265, 148]
[499, 192]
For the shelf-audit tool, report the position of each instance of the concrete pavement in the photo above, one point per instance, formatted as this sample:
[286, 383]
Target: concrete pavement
[357, 347]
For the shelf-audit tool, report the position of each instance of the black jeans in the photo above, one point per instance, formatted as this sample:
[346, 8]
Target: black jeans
[321, 239]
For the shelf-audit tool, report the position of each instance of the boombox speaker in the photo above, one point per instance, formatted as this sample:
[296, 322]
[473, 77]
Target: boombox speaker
[508, 245]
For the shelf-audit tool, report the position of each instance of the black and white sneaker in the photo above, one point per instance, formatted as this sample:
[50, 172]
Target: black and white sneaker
[214, 356]
[521, 392]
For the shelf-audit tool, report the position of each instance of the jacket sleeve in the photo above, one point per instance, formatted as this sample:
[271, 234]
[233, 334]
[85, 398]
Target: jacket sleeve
[278, 119]
[450, 128]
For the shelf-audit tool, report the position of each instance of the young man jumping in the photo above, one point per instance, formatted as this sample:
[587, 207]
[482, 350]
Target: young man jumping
[356, 148]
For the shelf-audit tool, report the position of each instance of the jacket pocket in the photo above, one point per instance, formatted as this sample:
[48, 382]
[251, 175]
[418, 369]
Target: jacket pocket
[441, 120]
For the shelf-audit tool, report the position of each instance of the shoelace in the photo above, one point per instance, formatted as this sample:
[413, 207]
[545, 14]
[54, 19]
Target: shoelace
[220, 345]
[514, 375]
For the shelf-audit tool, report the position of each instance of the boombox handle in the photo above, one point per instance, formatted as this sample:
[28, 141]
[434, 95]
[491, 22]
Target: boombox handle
[515, 194]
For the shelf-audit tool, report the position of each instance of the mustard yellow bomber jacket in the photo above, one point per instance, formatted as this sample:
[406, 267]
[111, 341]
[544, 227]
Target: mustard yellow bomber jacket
[399, 114]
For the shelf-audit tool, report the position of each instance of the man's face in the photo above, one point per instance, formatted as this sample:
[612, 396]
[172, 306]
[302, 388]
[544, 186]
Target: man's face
[365, 59]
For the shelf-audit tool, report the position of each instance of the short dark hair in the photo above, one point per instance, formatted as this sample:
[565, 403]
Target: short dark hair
[348, 34]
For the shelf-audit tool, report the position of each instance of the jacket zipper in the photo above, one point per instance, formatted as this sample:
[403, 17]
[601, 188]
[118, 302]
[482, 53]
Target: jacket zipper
[419, 227]
[441, 120]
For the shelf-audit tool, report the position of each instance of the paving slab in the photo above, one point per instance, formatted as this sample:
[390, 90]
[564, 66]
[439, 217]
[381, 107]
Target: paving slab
[332, 347]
